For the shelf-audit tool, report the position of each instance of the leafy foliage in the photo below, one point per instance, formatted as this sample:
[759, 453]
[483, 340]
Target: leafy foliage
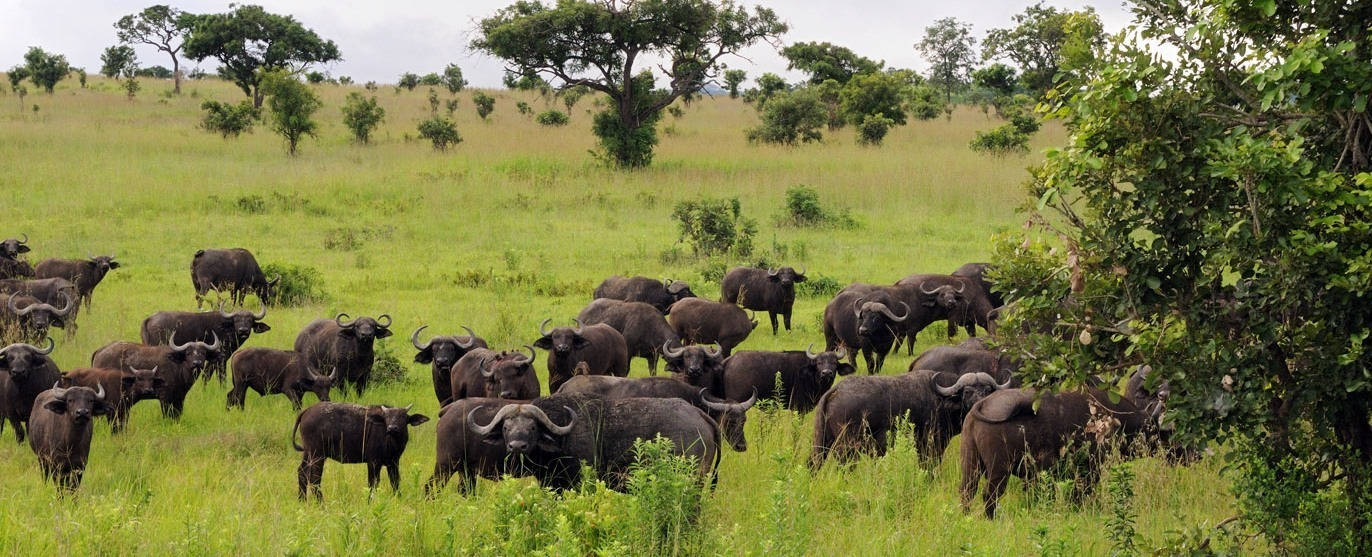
[552, 118]
[161, 27]
[768, 86]
[948, 47]
[300, 285]
[666, 487]
[292, 106]
[803, 208]
[45, 69]
[156, 72]
[485, 104]
[1046, 41]
[874, 94]
[441, 131]
[824, 61]
[131, 87]
[732, 80]
[796, 116]
[408, 81]
[431, 79]
[229, 120]
[118, 61]
[872, 130]
[715, 226]
[452, 78]
[362, 115]
[250, 43]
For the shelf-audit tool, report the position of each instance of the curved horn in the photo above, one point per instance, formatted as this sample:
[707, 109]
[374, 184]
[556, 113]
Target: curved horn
[47, 351]
[716, 352]
[171, 341]
[26, 238]
[214, 345]
[529, 360]
[857, 307]
[471, 338]
[100, 392]
[543, 327]
[67, 308]
[887, 312]
[60, 393]
[964, 381]
[260, 316]
[667, 350]
[274, 280]
[923, 291]
[548, 422]
[802, 270]
[222, 313]
[841, 352]
[407, 408]
[809, 351]
[385, 325]
[727, 406]
[486, 361]
[15, 309]
[962, 285]
[136, 370]
[484, 430]
[333, 375]
[339, 320]
[578, 325]
[772, 272]
[414, 339]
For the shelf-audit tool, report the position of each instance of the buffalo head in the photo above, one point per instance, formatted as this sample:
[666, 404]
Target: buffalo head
[696, 363]
[506, 374]
[786, 277]
[20, 359]
[731, 417]
[393, 422]
[243, 323]
[81, 403]
[678, 289]
[523, 427]
[38, 316]
[364, 328]
[141, 384]
[12, 248]
[316, 383]
[443, 352]
[562, 340]
[194, 353]
[945, 296]
[968, 388]
[872, 317]
[828, 364]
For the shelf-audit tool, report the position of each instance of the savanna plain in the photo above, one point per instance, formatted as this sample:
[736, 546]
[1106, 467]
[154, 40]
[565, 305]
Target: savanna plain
[514, 225]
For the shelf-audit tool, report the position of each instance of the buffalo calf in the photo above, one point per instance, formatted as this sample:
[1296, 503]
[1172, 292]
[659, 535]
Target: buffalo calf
[269, 371]
[352, 434]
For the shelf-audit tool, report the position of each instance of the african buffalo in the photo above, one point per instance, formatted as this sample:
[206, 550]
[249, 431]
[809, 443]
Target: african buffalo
[697, 365]
[645, 330]
[178, 365]
[487, 373]
[864, 322]
[977, 272]
[230, 270]
[805, 376]
[56, 292]
[269, 371]
[351, 434]
[12, 263]
[343, 345]
[856, 415]
[443, 352]
[660, 295]
[960, 360]
[60, 431]
[958, 300]
[599, 346]
[25, 317]
[769, 290]
[700, 321]
[84, 273]
[469, 456]
[232, 328]
[731, 416]
[25, 371]
[124, 387]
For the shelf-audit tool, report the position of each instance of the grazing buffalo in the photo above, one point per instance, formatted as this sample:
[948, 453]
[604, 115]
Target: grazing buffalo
[645, 330]
[25, 371]
[12, 263]
[769, 290]
[232, 328]
[230, 270]
[977, 272]
[864, 322]
[25, 317]
[958, 300]
[124, 387]
[1006, 435]
[700, 321]
[487, 373]
[660, 295]
[269, 371]
[804, 376]
[960, 360]
[177, 364]
[84, 273]
[856, 415]
[599, 346]
[60, 431]
[351, 434]
[343, 345]
[731, 416]
[701, 366]
[443, 352]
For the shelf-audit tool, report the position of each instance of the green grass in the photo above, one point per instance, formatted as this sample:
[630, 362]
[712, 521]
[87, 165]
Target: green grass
[92, 172]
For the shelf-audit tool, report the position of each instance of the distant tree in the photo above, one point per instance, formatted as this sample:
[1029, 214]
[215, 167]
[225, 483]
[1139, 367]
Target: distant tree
[362, 115]
[790, 117]
[485, 104]
[827, 61]
[408, 81]
[872, 130]
[999, 78]
[830, 94]
[452, 78]
[118, 61]
[552, 118]
[229, 120]
[524, 108]
[571, 95]
[1045, 41]
[451, 106]
[45, 69]
[879, 93]
[315, 78]
[441, 131]
[598, 44]
[17, 75]
[434, 101]
[431, 80]
[924, 103]
[292, 106]
[157, 72]
[768, 85]
[161, 27]
[345, 80]
[131, 87]
[950, 50]
[370, 86]
[249, 42]
[732, 79]
[81, 76]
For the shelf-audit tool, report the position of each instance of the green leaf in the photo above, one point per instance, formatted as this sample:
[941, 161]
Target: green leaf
[1047, 194]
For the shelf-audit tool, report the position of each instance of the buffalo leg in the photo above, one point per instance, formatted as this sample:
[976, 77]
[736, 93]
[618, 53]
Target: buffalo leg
[996, 481]
[393, 472]
[786, 318]
[310, 474]
[774, 323]
[373, 476]
[867, 356]
[652, 364]
[18, 429]
[172, 408]
[237, 394]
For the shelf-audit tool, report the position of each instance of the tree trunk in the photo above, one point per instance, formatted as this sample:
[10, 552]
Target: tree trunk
[176, 75]
[256, 97]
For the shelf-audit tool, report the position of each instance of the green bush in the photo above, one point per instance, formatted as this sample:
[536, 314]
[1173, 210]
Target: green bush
[872, 130]
[299, 285]
[524, 108]
[621, 146]
[292, 105]
[715, 226]
[1025, 123]
[1003, 140]
[441, 131]
[668, 496]
[788, 118]
[817, 286]
[387, 368]
[228, 120]
[552, 118]
[803, 208]
[362, 115]
[485, 104]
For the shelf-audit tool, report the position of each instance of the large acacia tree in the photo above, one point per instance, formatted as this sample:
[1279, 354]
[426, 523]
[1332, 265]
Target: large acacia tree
[824, 61]
[250, 42]
[1044, 42]
[606, 45]
[160, 26]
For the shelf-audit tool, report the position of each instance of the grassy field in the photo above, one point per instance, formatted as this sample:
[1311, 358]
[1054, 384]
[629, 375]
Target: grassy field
[395, 227]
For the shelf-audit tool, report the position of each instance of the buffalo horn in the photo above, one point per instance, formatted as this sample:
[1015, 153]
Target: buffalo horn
[414, 339]
[842, 351]
[484, 430]
[213, 345]
[809, 351]
[923, 291]
[548, 422]
[260, 316]
[772, 272]
[15, 309]
[59, 393]
[471, 338]
[67, 306]
[100, 393]
[667, 350]
[171, 341]
[527, 360]
[385, 325]
[407, 408]
[578, 325]
[345, 324]
[543, 327]
[887, 312]
[705, 397]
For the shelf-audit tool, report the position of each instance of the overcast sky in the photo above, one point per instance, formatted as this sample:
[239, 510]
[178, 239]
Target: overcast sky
[380, 39]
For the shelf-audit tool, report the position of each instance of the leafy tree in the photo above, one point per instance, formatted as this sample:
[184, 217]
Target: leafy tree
[571, 95]
[441, 131]
[924, 103]
[791, 117]
[81, 75]
[451, 106]
[1045, 41]
[161, 27]
[874, 93]
[132, 87]
[315, 78]
[949, 48]
[768, 85]
[732, 79]
[45, 69]
[1212, 204]
[600, 44]
[118, 61]
[827, 61]
[1001, 140]
[362, 115]
[17, 75]
[292, 105]
[830, 94]
[408, 81]
[158, 72]
[552, 118]
[229, 120]
[431, 80]
[996, 77]
[249, 43]
[872, 130]
[452, 78]
[433, 101]
[715, 226]
[517, 81]
[485, 104]
[345, 80]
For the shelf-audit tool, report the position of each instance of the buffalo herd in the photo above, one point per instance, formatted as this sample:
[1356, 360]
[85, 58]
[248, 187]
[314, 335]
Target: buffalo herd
[494, 418]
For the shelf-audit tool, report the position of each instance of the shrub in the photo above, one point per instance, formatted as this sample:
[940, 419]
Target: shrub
[485, 104]
[299, 285]
[228, 120]
[790, 117]
[408, 81]
[872, 130]
[623, 146]
[292, 105]
[387, 368]
[433, 101]
[666, 488]
[924, 103]
[362, 115]
[315, 78]
[132, 87]
[524, 108]
[1025, 123]
[1000, 141]
[818, 287]
[451, 106]
[875, 93]
[715, 226]
[803, 208]
[552, 118]
[441, 131]
[431, 79]
[452, 78]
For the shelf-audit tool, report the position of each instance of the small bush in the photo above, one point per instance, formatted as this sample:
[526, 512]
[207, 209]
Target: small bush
[789, 118]
[925, 103]
[299, 285]
[252, 204]
[387, 368]
[441, 131]
[666, 488]
[552, 118]
[485, 104]
[451, 106]
[228, 120]
[132, 87]
[524, 108]
[1001, 141]
[362, 115]
[1025, 123]
[872, 130]
[803, 208]
[715, 226]
[292, 104]
[818, 287]
[434, 101]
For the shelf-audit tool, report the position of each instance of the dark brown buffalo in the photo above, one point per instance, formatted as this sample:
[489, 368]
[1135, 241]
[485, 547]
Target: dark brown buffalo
[55, 292]
[229, 270]
[25, 317]
[84, 273]
[443, 352]
[60, 432]
[701, 321]
[958, 300]
[856, 415]
[352, 434]
[12, 263]
[960, 360]
[645, 330]
[659, 294]
[697, 365]
[177, 364]
[804, 376]
[123, 387]
[600, 347]
[769, 290]
[343, 345]
[1005, 435]
[232, 328]
[25, 371]
[268, 371]
[864, 322]
[731, 416]
[466, 454]
[977, 272]
[487, 373]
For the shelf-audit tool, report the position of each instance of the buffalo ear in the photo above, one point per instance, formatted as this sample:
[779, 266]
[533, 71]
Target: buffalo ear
[416, 419]
[127, 380]
[799, 278]
[114, 265]
[846, 369]
[56, 406]
[580, 343]
[100, 408]
[260, 327]
[545, 342]
[23, 248]
[383, 333]
[425, 356]
[774, 278]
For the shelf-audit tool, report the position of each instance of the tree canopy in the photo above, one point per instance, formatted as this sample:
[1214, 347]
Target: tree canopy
[1044, 42]
[118, 61]
[827, 61]
[248, 41]
[45, 69]
[949, 48]
[160, 26]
